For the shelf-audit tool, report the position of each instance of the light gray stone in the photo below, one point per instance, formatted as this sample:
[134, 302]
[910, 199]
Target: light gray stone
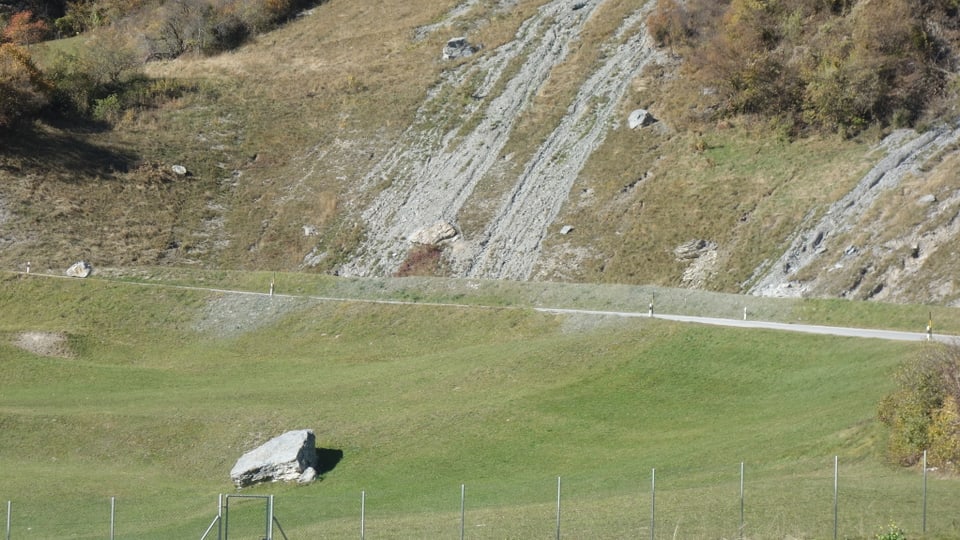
[458, 47]
[434, 234]
[694, 249]
[179, 170]
[307, 476]
[283, 458]
[80, 269]
[640, 118]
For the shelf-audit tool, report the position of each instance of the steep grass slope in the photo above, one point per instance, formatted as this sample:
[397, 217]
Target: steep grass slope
[324, 145]
[167, 386]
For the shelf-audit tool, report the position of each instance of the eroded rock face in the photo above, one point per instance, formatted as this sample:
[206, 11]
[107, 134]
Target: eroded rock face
[282, 458]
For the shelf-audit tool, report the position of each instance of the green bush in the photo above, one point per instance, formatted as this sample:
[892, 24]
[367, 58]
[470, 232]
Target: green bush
[922, 412]
[107, 109]
[892, 533]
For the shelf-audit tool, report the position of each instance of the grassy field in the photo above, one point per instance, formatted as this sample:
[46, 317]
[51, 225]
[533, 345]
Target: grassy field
[162, 388]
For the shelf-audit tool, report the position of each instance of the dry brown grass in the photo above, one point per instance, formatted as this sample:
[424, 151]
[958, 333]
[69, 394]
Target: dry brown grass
[745, 191]
[338, 85]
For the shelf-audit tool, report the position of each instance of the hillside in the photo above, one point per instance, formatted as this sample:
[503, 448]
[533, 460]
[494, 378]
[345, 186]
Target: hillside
[325, 145]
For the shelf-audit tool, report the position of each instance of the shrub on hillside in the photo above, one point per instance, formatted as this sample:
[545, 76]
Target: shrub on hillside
[212, 26]
[85, 15]
[922, 412]
[832, 65]
[101, 68]
[422, 260]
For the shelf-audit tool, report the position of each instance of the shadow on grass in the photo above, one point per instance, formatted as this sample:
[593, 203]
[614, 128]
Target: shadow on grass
[327, 459]
[63, 151]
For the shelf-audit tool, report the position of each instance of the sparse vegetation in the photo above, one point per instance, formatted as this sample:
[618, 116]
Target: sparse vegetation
[422, 260]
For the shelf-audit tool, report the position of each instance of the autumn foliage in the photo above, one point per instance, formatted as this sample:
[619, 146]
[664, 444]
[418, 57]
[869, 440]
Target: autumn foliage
[923, 413]
[838, 65]
[23, 88]
[24, 29]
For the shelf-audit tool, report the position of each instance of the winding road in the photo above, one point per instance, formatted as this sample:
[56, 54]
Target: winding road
[870, 333]
[893, 335]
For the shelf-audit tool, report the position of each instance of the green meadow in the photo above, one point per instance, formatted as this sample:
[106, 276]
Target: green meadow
[159, 387]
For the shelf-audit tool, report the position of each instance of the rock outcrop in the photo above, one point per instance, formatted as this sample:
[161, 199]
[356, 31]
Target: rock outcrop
[434, 174]
[458, 48]
[434, 234]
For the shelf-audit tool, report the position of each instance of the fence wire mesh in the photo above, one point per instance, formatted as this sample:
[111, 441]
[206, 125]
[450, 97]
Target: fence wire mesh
[793, 500]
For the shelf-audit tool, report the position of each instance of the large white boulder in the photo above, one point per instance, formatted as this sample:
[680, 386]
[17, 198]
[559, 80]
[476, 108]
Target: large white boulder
[79, 269]
[282, 458]
[640, 118]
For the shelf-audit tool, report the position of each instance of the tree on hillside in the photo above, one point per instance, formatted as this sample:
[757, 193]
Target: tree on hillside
[109, 56]
[23, 89]
[23, 29]
[923, 413]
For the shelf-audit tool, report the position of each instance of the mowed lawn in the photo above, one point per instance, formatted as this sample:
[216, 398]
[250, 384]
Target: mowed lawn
[166, 387]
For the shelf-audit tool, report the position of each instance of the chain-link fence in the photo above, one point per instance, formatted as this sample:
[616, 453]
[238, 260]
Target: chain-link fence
[815, 500]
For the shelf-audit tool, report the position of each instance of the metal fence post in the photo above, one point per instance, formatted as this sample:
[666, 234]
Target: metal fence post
[9, 508]
[741, 492]
[463, 493]
[558, 508]
[363, 509]
[836, 482]
[113, 515]
[924, 492]
[653, 503]
[269, 530]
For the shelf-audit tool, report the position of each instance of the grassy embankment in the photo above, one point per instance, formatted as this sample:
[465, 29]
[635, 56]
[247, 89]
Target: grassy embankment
[168, 386]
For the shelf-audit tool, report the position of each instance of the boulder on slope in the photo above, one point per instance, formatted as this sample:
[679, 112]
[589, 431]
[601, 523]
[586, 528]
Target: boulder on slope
[282, 458]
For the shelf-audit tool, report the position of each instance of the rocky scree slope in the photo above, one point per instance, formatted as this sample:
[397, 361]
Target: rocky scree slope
[433, 170]
[432, 174]
[847, 252]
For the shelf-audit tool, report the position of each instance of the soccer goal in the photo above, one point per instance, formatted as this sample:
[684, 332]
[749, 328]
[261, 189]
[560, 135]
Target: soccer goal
[222, 520]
